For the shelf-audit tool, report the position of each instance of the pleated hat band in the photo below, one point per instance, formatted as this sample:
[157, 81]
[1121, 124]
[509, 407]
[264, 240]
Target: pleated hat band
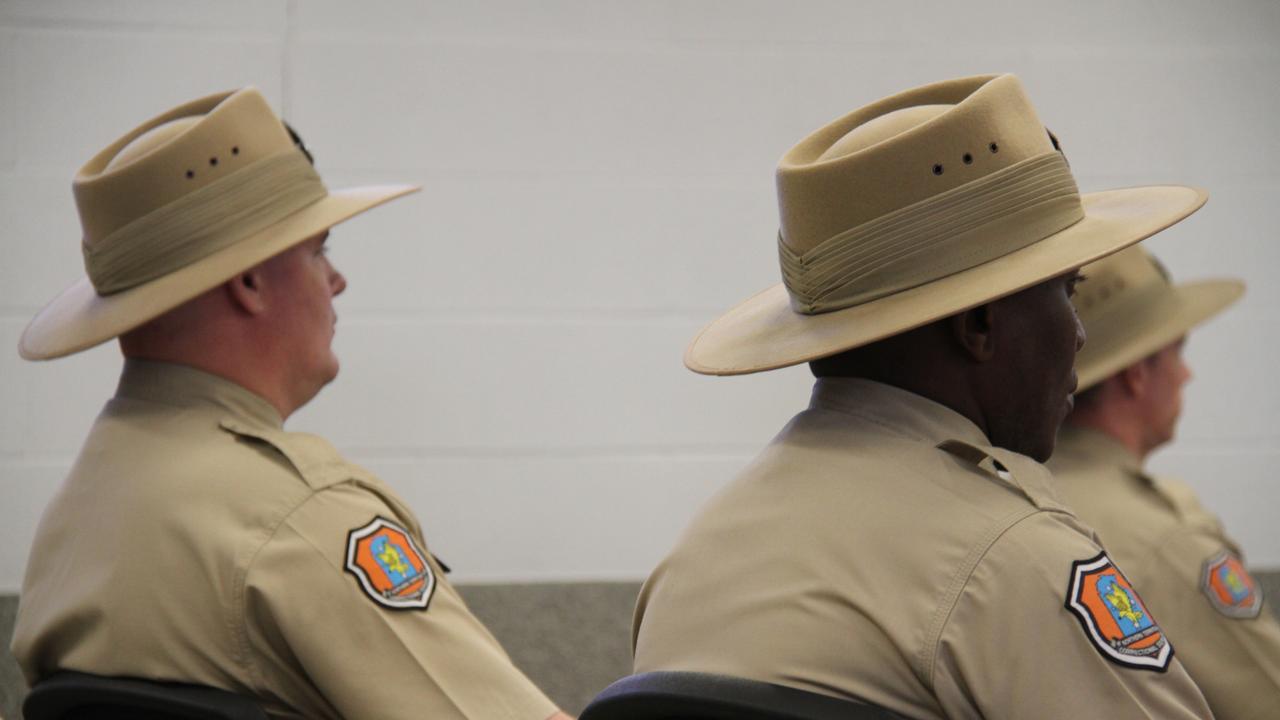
[915, 188]
[186, 185]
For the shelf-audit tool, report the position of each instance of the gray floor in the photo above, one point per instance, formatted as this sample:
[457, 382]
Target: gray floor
[572, 639]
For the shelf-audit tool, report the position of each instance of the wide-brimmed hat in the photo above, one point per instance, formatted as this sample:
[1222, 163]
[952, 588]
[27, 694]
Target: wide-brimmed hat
[181, 203]
[916, 207]
[1130, 309]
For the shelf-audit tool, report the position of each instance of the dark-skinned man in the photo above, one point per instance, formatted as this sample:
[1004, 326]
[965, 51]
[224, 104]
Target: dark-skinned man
[899, 541]
[1191, 573]
[195, 540]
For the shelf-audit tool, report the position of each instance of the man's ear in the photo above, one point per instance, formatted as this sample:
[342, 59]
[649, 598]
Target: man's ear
[974, 331]
[1135, 379]
[245, 291]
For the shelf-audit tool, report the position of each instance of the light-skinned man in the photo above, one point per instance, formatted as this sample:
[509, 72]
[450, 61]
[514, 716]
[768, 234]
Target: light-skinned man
[196, 540]
[1191, 573]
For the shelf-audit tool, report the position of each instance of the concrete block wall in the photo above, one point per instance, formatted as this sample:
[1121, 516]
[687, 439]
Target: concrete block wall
[597, 185]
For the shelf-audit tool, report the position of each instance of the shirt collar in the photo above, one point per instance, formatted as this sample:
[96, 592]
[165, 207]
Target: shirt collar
[184, 386]
[899, 410]
[1098, 446]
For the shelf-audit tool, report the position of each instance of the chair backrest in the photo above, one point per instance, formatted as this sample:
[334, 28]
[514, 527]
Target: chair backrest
[79, 696]
[702, 696]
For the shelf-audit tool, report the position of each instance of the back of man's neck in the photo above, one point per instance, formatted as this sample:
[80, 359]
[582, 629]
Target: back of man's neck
[216, 364]
[1127, 434]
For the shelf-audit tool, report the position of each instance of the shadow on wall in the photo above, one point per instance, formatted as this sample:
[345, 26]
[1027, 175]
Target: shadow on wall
[572, 639]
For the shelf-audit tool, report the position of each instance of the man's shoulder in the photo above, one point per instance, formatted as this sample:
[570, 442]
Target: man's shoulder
[309, 457]
[853, 455]
[942, 503]
[339, 491]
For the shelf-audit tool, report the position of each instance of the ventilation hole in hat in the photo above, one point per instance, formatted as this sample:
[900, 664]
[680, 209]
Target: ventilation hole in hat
[968, 159]
[994, 148]
[191, 174]
[213, 161]
[937, 169]
[235, 150]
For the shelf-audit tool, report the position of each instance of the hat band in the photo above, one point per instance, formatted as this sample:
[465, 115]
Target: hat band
[959, 229]
[202, 222]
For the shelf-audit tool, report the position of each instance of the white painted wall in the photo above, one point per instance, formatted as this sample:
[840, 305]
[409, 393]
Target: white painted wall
[598, 184]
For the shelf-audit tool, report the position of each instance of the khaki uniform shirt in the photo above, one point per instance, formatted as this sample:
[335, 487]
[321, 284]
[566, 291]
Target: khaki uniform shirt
[1177, 554]
[879, 548]
[195, 540]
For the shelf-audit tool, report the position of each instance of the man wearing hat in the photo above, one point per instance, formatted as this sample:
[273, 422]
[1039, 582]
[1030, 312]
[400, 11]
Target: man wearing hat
[1191, 573]
[899, 542]
[195, 540]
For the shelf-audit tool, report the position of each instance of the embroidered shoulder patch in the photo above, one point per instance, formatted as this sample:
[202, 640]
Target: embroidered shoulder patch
[1114, 617]
[1229, 587]
[391, 568]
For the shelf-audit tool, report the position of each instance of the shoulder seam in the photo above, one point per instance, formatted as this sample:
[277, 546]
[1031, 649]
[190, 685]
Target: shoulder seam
[242, 582]
[928, 656]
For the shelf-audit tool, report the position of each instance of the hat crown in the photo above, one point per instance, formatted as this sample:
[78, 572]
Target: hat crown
[915, 187]
[877, 130]
[187, 184]
[1130, 276]
[150, 140]
[821, 197]
[176, 153]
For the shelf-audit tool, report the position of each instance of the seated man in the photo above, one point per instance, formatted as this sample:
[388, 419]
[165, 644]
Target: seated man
[194, 539]
[1190, 572]
[899, 542]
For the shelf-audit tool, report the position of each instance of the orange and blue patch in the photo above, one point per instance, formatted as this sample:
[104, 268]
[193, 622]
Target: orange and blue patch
[1229, 587]
[390, 567]
[1113, 616]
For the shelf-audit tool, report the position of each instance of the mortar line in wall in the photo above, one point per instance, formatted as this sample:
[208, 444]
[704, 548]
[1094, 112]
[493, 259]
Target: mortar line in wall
[396, 453]
[507, 174]
[20, 459]
[732, 452]
[674, 453]
[490, 579]
[118, 28]
[514, 316]
[767, 46]
[1205, 448]
[447, 316]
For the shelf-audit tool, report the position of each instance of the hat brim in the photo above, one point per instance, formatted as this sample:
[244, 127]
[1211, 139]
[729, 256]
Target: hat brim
[764, 333]
[79, 318]
[1118, 342]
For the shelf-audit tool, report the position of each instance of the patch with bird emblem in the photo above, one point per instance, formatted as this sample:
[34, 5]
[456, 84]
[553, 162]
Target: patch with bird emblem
[1230, 588]
[389, 565]
[1114, 617]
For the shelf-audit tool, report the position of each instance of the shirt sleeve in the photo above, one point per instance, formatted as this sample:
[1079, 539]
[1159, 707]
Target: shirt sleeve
[1231, 650]
[308, 615]
[1012, 648]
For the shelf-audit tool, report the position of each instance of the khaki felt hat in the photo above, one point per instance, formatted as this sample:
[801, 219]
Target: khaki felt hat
[181, 204]
[1130, 309]
[916, 207]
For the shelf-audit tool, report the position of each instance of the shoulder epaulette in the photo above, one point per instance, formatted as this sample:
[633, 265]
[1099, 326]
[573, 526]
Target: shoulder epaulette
[315, 460]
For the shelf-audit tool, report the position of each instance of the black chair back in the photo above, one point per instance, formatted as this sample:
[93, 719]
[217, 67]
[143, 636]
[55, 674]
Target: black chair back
[80, 696]
[703, 696]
